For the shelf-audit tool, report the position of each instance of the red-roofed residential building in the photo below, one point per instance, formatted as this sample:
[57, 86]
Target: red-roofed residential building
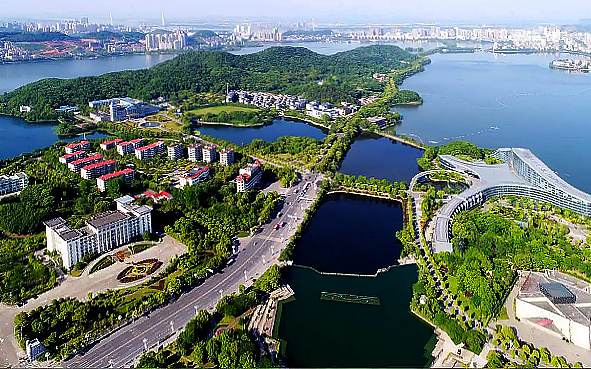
[157, 196]
[137, 143]
[77, 146]
[175, 152]
[68, 158]
[77, 164]
[249, 176]
[209, 154]
[108, 145]
[98, 169]
[127, 175]
[150, 150]
[193, 176]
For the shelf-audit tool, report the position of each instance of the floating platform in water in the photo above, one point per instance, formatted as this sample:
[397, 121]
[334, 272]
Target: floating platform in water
[355, 299]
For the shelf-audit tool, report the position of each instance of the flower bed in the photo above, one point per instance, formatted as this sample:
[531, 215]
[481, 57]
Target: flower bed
[102, 264]
[139, 270]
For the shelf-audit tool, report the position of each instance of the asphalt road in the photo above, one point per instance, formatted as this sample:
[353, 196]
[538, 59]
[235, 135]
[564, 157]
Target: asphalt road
[255, 255]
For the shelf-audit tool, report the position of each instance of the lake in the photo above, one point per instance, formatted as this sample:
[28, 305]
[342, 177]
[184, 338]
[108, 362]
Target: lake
[352, 234]
[375, 156]
[19, 136]
[270, 132]
[533, 106]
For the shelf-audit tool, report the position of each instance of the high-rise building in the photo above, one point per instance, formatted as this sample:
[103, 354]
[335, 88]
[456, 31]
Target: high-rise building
[194, 152]
[98, 169]
[249, 176]
[77, 146]
[227, 156]
[209, 154]
[175, 152]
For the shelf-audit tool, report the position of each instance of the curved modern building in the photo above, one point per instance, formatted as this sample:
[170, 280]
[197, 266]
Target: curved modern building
[522, 174]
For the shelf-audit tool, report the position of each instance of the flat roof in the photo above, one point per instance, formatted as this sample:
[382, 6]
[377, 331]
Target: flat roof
[104, 219]
[556, 290]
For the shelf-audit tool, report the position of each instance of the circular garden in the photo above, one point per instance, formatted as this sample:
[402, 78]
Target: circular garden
[138, 270]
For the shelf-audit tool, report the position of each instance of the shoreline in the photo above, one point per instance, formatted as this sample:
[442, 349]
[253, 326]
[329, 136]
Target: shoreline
[228, 124]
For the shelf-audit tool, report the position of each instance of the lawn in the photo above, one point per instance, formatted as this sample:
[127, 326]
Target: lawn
[218, 109]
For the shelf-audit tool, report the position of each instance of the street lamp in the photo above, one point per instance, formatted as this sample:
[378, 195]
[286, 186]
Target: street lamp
[245, 276]
[145, 344]
[221, 293]
[172, 326]
[196, 309]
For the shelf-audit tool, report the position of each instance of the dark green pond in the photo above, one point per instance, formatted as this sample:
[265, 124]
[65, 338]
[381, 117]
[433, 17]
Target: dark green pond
[322, 333]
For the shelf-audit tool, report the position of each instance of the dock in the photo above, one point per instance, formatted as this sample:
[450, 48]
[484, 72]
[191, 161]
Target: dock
[265, 315]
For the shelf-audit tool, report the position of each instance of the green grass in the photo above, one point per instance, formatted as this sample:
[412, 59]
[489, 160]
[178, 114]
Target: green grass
[141, 247]
[503, 314]
[242, 234]
[98, 264]
[218, 109]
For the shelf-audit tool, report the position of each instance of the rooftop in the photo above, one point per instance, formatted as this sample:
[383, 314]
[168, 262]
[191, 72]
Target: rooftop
[104, 219]
[542, 169]
[85, 160]
[108, 176]
[97, 165]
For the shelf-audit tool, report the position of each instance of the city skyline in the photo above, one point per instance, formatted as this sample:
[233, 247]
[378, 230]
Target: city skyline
[345, 11]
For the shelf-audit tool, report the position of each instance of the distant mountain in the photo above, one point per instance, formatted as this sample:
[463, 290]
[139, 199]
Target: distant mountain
[292, 70]
[21, 36]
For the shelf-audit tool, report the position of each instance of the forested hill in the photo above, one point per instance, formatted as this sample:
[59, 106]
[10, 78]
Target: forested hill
[339, 77]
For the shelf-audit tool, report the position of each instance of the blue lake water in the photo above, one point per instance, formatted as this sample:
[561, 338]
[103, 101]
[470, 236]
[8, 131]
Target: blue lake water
[280, 127]
[18, 136]
[375, 156]
[533, 106]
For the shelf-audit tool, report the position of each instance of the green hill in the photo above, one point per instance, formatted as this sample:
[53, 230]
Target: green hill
[340, 77]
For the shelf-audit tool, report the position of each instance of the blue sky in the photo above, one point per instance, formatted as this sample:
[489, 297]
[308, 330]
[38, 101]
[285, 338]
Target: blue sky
[385, 11]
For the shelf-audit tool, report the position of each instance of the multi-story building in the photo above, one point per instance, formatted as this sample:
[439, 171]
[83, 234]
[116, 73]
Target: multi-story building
[194, 152]
[522, 175]
[227, 156]
[175, 152]
[127, 175]
[34, 349]
[98, 169]
[125, 108]
[194, 176]
[68, 158]
[249, 176]
[76, 165]
[209, 154]
[103, 232]
[125, 148]
[77, 146]
[150, 151]
[137, 143]
[107, 145]
[13, 183]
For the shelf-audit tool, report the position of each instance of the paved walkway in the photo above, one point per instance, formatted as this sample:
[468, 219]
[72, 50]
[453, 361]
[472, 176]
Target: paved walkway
[79, 287]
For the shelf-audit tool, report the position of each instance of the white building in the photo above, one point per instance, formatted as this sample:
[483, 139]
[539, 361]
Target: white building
[249, 176]
[193, 176]
[558, 305]
[175, 152]
[209, 154]
[227, 156]
[194, 152]
[77, 146]
[34, 349]
[103, 232]
[13, 183]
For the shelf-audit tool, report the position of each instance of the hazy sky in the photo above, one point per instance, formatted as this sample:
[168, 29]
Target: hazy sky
[385, 11]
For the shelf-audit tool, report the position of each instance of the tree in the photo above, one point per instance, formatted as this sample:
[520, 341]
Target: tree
[146, 236]
[101, 207]
[174, 286]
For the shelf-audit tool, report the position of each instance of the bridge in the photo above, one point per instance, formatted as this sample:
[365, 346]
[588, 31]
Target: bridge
[522, 175]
